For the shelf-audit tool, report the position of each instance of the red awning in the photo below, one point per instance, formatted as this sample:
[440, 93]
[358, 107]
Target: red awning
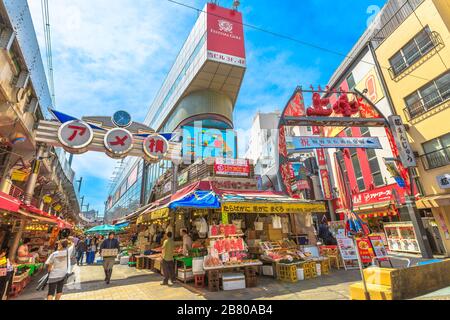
[9, 203]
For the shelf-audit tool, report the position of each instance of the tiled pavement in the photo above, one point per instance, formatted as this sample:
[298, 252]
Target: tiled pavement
[131, 284]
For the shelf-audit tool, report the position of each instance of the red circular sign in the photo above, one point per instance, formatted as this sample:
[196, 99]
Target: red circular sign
[118, 142]
[156, 146]
[75, 136]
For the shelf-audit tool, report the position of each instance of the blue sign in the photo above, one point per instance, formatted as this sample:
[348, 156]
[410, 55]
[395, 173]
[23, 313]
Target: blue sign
[295, 144]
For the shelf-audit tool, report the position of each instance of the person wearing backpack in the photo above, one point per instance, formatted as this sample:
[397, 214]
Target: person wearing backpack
[59, 267]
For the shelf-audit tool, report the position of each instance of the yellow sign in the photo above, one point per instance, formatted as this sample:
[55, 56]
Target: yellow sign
[57, 208]
[371, 82]
[18, 175]
[160, 214]
[272, 208]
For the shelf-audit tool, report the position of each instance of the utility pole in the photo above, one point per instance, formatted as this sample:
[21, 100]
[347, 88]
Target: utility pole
[79, 183]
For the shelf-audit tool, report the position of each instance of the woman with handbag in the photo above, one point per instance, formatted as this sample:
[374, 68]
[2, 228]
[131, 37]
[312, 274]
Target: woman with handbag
[59, 268]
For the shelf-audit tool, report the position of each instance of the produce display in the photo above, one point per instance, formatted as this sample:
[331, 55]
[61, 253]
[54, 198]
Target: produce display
[283, 251]
[224, 230]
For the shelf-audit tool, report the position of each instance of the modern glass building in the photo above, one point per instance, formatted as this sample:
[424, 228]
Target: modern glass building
[196, 99]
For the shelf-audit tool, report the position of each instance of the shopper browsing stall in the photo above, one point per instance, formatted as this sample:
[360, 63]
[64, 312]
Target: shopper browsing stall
[167, 261]
[187, 242]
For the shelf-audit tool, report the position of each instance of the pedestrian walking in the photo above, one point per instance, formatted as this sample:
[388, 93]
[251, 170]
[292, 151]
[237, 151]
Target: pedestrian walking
[81, 249]
[91, 249]
[109, 260]
[167, 261]
[59, 268]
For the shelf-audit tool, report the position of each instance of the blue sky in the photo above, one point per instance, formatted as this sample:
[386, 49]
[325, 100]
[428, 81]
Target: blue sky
[115, 54]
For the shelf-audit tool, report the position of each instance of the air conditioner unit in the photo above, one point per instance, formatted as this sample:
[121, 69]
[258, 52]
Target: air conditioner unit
[32, 106]
[23, 79]
[7, 37]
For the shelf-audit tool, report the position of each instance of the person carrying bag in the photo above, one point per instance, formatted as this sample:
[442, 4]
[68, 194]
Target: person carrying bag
[59, 270]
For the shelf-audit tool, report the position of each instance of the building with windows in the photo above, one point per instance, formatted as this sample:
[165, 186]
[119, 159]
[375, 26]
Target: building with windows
[414, 48]
[196, 100]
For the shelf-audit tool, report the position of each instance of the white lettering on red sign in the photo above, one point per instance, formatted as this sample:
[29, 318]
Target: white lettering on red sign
[156, 146]
[75, 135]
[118, 142]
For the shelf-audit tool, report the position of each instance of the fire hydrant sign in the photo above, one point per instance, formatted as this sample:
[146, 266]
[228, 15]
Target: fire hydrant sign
[75, 136]
[155, 146]
[118, 142]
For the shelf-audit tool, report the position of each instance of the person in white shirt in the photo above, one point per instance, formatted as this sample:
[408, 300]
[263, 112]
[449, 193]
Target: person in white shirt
[59, 266]
[187, 242]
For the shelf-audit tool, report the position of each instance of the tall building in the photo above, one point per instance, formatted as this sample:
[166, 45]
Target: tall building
[414, 50]
[196, 99]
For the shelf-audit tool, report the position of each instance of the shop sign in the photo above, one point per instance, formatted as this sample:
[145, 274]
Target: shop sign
[401, 140]
[295, 144]
[156, 146]
[160, 214]
[75, 136]
[382, 194]
[379, 249]
[271, 208]
[365, 250]
[118, 142]
[167, 187]
[371, 82]
[444, 181]
[229, 184]
[19, 175]
[232, 167]
[348, 251]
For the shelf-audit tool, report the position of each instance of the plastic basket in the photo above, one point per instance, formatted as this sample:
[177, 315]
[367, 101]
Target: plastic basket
[287, 272]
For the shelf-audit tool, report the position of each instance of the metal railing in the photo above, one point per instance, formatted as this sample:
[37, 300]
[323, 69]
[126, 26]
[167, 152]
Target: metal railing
[427, 103]
[436, 159]
[423, 49]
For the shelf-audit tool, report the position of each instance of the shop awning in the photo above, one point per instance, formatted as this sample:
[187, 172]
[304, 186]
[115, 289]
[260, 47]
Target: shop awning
[9, 203]
[388, 212]
[433, 202]
[378, 206]
[198, 200]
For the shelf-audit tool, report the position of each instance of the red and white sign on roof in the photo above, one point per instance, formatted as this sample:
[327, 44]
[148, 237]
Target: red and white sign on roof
[75, 136]
[156, 146]
[225, 35]
[232, 167]
[118, 142]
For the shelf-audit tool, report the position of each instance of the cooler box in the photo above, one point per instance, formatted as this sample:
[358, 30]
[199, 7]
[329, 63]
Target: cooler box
[185, 275]
[267, 270]
[233, 281]
[197, 265]
[124, 260]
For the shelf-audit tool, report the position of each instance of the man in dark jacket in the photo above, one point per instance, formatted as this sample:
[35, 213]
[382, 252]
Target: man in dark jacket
[80, 249]
[108, 261]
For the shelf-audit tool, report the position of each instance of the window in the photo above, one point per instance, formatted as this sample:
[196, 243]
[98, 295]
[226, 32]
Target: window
[429, 96]
[412, 51]
[373, 161]
[351, 82]
[357, 170]
[437, 152]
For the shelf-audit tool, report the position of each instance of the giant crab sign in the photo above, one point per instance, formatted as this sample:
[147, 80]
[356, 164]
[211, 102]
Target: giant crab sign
[117, 136]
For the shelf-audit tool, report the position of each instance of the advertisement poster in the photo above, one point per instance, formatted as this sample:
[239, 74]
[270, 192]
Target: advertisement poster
[365, 250]
[378, 247]
[348, 251]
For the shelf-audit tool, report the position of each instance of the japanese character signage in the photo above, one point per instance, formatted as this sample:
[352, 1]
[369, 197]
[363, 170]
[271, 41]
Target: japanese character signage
[444, 181]
[232, 167]
[118, 142]
[75, 136]
[401, 139]
[365, 250]
[295, 144]
[156, 146]
[272, 208]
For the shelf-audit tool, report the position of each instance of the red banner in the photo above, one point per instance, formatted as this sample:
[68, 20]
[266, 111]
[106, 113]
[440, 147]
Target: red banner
[365, 250]
[232, 167]
[384, 194]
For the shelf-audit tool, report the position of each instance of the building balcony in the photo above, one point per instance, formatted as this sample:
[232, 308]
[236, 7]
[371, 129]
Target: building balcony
[436, 159]
[435, 101]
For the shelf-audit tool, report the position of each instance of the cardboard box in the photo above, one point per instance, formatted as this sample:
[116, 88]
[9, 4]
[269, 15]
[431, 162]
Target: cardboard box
[274, 235]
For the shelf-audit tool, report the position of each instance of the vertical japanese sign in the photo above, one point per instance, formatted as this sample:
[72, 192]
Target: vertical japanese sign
[324, 174]
[365, 249]
[294, 108]
[401, 139]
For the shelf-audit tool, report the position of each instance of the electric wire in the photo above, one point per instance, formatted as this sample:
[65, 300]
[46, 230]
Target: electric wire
[48, 47]
[289, 38]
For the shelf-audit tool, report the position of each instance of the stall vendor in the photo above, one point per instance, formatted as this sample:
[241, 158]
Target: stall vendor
[187, 242]
[24, 255]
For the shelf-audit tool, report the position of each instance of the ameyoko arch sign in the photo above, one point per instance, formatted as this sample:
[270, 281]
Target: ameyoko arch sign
[117, 136]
